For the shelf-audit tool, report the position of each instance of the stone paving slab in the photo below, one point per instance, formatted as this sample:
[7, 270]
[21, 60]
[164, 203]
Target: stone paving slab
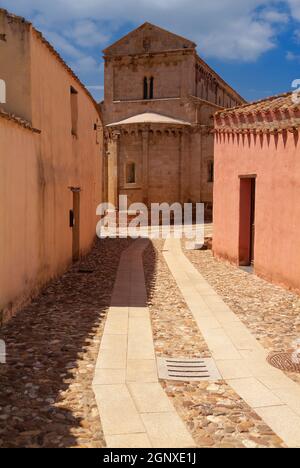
[141, 370]
[270, 312]
[117, 409]
[109, 376]
[215, 415]
[232, 341]
[134, 409]
[254, 392]
[128, 441]
[166, 430]
[284, 422]
[150, 398]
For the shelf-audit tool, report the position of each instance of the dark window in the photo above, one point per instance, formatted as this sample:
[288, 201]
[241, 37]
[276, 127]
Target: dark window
[151, 88]
[130, 173]
[74, 110]
[210, 171]
[148, 88]
[145, 88]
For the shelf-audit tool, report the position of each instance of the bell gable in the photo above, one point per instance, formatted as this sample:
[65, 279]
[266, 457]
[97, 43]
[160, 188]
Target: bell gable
[148, 38]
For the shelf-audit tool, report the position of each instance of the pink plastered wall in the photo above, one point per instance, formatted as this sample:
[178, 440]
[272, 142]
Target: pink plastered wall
[275, 161]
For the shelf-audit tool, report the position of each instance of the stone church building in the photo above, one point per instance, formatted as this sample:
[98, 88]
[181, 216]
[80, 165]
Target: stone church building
[160, 98]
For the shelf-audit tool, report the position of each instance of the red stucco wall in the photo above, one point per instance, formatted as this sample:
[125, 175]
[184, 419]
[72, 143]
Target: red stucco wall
[276, 162]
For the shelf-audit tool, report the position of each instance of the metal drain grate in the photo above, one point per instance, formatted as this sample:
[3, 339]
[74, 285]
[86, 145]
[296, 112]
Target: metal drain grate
[85, 270]
[284, 361]
[187, 370]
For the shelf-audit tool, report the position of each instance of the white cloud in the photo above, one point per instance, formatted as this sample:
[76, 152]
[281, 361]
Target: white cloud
[291, 57]
[86, 33]
[237, 45]
[225, 29]
[86, 65]
[274, 16]
[295, 8]
[62, 45]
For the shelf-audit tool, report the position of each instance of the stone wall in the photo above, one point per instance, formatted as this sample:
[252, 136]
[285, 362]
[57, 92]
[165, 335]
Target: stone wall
[169, 164]
[173, 164]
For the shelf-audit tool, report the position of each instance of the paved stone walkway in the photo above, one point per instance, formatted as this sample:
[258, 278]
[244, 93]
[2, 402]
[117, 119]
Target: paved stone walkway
[46, 395]
[270, 312]
[134, 409]
[214, 414]
[239, 356]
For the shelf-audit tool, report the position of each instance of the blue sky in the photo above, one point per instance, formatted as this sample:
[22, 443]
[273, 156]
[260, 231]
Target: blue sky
[253, 44]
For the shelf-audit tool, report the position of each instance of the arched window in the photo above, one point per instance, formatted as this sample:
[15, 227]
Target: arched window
[145, 88]
[151, 94]
[148, 88]
[130, 173]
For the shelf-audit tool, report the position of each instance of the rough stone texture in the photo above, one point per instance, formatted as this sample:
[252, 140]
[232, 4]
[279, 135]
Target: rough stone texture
[46, 396]
[213, 412]
[270, 312]
[176, 333]
[184, 88]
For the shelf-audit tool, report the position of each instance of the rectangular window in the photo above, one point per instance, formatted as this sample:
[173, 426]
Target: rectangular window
[130, 173]
[74, 110]
[210, 171]
[151, 94]
[145, 88]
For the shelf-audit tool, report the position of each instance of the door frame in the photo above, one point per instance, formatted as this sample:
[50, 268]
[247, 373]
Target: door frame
[75, 224]
[247, 206]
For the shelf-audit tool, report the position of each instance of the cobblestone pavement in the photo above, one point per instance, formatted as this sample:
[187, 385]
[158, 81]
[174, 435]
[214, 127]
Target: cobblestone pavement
[46, 396]
[270, 312]
[213, 412]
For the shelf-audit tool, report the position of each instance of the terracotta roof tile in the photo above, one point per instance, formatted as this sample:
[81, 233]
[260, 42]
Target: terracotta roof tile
[276, 112]
[18, 120]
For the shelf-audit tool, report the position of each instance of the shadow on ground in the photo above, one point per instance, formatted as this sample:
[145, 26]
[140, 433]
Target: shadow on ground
[150, 260]
[46, 399]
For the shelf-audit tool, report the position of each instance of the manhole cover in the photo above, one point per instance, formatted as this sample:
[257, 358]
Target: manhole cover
[284, 361]
[187, 370]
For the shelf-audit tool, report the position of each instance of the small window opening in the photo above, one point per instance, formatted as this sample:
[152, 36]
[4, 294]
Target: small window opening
[149, 88]
[131, 173]
[74, 110]
[151, 94]
[210, 171]
[145, 88]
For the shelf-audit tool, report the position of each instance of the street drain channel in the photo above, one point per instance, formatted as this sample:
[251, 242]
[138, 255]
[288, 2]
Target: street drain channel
[85, 270]
[187, 370]
[285, 362]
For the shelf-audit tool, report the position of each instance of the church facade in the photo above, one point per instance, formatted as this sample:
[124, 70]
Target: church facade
[160, 98]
